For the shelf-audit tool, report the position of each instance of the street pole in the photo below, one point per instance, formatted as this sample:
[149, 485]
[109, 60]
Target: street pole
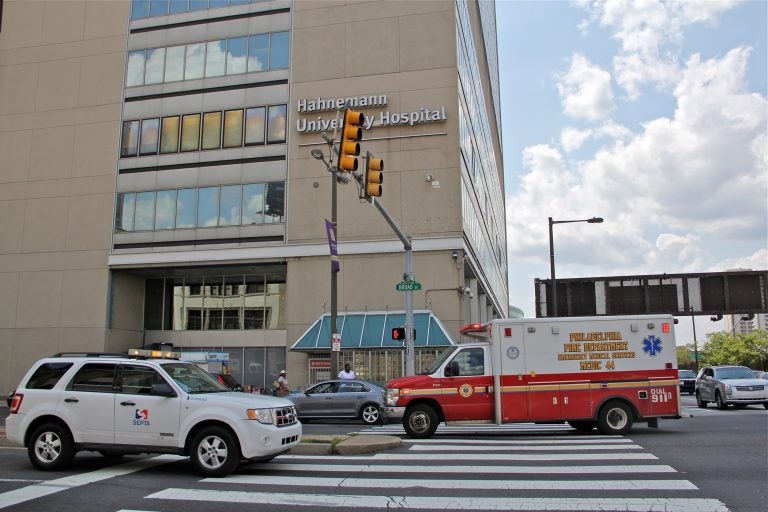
[695, 343]
[552, 282]
[334, 285]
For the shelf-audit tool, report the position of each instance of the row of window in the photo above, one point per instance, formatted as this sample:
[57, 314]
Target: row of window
[208, 59]
[236, 302]
[151, 8]
[226, 205]
[211, 130]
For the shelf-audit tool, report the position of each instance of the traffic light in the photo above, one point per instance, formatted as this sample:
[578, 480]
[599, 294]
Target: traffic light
[351, 133]
[716, 318]
[373, 177]
[398, 333]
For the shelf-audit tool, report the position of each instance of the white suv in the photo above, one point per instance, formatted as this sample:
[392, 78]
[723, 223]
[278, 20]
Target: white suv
[120, 405]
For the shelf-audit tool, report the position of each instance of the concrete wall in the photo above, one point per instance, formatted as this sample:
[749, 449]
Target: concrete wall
[61, 76]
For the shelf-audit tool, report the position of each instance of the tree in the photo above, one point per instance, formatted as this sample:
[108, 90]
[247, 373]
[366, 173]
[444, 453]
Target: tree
[749, 349]
[685, 357]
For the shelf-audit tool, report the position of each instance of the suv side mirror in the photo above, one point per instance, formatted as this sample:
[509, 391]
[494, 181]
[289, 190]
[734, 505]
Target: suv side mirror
[452, 370]
[162, 390]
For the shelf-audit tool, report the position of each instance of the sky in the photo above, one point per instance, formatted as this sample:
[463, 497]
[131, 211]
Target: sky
[649, 114]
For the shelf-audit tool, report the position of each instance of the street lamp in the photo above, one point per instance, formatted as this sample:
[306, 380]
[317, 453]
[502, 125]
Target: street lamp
[593, 220]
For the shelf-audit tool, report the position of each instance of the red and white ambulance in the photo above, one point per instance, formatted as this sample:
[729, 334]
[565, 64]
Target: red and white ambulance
[604, 372]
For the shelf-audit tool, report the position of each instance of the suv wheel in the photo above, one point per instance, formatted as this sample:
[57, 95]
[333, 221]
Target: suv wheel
[719, 401]
[699, 402]
[370, 414]
[51, 447]
[215, 452]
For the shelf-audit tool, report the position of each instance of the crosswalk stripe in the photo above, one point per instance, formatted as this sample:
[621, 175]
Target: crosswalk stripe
[538, 440]
[499, 485]
[648, 504]
[463, 469]
[598, 447]
[487, 456]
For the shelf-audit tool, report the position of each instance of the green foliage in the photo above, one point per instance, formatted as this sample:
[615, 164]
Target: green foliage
[743, 349]
[685, 357]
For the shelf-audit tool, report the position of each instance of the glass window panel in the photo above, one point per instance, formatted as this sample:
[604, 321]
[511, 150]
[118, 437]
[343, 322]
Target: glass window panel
[254, 302]
[193, 303]
[212, 130]
[169, 135]
[139, 9]
[275, 305]
[274, 202]
[230, 206]
[179, 6]
[253, 368]
[237, 2]
[195, 62]
[186, 208]
[174, 63]
[216, 58]
[208, 207]
[158, 8]
[233, 128]
[145, 211]
[279, 50]
[126, 205]
[236, 55]
[149, 136]
[155, 66]
[129, 145]
[136, 64]
[165, 210]
[234, 294]
[258, 53]
[190, 132]
[218, 3]
[197, 5]
[277, 121]
[253, 203]
[254, 125]
[212, 303]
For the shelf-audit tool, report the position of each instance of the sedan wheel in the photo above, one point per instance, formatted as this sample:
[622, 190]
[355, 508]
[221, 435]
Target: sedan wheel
[722, 405]
[370, 414]
[699, 402]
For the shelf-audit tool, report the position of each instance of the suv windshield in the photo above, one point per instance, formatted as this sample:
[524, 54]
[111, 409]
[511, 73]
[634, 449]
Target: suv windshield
[738, 372]
[686, 374]
[193, 379]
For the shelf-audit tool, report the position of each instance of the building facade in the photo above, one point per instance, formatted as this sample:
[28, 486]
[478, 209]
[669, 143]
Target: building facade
[157, 186]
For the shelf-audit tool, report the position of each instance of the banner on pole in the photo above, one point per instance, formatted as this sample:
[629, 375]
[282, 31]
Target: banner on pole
[335, 267]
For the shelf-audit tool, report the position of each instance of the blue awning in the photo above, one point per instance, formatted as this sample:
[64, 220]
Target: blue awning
[373, 330]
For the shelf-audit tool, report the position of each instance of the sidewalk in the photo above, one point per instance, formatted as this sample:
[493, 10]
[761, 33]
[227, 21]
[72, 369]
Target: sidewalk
[318, 444]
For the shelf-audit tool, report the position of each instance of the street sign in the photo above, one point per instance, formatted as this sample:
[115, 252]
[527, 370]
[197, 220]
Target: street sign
[405, 286]
[336, 343]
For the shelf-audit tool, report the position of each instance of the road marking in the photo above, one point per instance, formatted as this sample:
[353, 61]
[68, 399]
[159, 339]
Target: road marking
[47, 487]
[373, 468]
[538, 440]
[536, 503]
[28, 480]
[428, 448]
[502, 485]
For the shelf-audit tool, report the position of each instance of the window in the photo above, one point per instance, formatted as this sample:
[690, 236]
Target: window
[190, 132]
[258, 53]
[277, 122]
[47, 375]
[274, 202]
[195, 62]
[129, 145]
[470, 361]
[165, 209]
[135, 72]
[186, 208]
[215, 60]
[211, 130]
[149, 136]
[155, 66]
[229, 205]
[169, 135]
[126, 206]
[139, 9]
[279, 50]
[253, 203]
[233, 128]
[94, 377]
[179, 6]
[138, 380]
[145, 211]
[208, 207]
[236, 55]
[254, 125]
[174, 63]
[158, 8]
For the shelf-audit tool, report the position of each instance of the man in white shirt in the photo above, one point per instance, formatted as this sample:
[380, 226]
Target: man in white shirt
[346, 373]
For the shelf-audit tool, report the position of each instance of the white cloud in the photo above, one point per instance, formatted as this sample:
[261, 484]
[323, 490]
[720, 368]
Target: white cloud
[649, 33]
[573, 138]
[756, 261]
[585, 90]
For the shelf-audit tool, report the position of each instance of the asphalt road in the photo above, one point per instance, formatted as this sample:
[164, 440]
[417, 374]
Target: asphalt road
[719, 458]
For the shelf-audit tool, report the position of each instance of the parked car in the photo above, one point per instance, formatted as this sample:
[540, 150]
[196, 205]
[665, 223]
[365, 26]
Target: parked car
[227, 380]
[118, 405]
[9, 398]
[687, 380]
[761, 375]
[730, 385]
[352, 399]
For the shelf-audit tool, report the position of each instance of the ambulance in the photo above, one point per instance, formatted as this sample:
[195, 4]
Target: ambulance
[591, 372]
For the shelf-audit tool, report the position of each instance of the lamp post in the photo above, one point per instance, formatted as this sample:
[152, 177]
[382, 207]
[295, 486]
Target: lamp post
[553, 283]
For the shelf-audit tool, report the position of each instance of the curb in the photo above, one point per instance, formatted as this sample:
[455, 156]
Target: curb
[344, 445]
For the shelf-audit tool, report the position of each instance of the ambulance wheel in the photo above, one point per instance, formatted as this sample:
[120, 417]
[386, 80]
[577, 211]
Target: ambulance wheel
[583, 425]
[215, 452]
[615, 418]
[420, 421]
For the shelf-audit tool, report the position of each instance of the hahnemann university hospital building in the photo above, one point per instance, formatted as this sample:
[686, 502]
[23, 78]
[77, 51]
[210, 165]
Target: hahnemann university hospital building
[157, 182]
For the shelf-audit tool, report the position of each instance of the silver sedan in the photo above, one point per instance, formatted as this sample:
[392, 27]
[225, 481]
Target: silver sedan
[347, 399]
